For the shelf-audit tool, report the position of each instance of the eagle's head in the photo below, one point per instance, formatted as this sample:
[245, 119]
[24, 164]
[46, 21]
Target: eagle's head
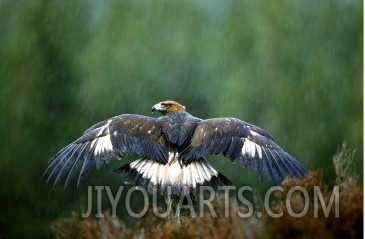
[169, 106]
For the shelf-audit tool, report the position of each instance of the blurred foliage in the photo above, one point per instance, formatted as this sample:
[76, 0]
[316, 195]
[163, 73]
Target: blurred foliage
[152, 227]
[293, 68]
[348, 223]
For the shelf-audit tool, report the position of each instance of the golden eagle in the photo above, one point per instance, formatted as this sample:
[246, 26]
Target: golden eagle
[172, 150]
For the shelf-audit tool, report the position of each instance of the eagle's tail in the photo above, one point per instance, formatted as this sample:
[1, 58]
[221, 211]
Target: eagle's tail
[173, 178]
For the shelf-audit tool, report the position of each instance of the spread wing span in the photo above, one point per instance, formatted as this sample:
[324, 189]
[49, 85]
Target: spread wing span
[249, 145]
[117, 136]
[172, 150]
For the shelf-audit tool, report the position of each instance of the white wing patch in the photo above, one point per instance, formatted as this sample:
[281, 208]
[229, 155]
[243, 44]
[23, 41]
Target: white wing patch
[251, 149]
[103, 143]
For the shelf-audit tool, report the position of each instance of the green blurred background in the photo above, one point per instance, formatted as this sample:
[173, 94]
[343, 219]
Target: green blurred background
[294, 68]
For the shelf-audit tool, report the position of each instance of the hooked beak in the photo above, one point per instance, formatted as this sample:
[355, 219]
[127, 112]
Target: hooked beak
[157, 107]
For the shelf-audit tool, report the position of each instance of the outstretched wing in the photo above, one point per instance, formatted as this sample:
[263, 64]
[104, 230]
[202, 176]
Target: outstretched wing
[118, 136]
[249, 145]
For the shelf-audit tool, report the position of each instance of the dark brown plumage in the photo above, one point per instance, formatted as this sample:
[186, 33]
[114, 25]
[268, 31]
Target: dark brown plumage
[172, 150]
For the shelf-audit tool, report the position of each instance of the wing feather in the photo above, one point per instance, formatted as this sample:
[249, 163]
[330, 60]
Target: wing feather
[245, 143]
[60, 164]
[76, 167]
[102, 142]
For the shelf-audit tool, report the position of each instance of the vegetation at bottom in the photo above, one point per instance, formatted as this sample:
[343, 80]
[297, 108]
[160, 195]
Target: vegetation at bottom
[344, 221]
